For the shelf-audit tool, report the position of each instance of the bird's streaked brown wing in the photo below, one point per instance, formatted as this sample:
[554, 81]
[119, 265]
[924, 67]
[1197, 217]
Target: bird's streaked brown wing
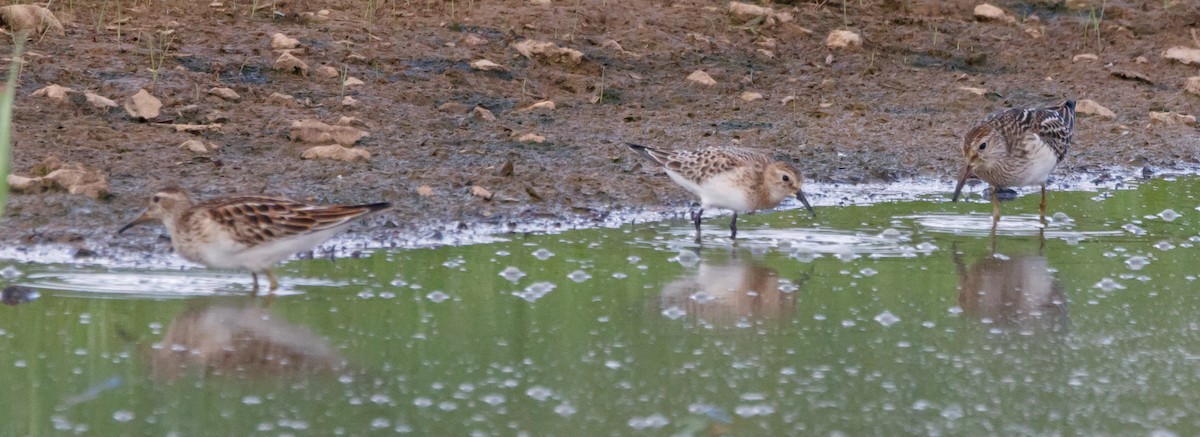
[255, 220]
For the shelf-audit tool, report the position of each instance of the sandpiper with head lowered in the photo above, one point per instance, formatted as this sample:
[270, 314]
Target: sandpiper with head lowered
[248, 232]
[1016, 148]
[731, 178]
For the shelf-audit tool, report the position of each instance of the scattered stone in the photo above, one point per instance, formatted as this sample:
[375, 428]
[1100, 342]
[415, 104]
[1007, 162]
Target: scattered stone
[282, 99]
[225, 93]
[1126, 74]
[352, 81]
[327, 72]
[349, 101]
[197, 146]
[425, 191]
[1171, 119]
[702, 78]
[217, 117]
[486, 65]
[1193, 85]
[1186, 55]
[745, 10]
[99, 101]
[787, 99]
[31, 18]
[1090, 107]
[751, 96]
[291, 64]
[539, 2]
[143, 106]
[336, 152]
[1141, 60]
[973, 90]
[280, 41]
[1085, 57]
[842, 38]
[532, 138]
[473, 40]
[481, 192]
[544, 104]
[616, 47]
[1034, 32]
[74, 178]
[313, 131]
[549, 51]
[196, 128]
[482, 113]
[987, 12]
[54, 92]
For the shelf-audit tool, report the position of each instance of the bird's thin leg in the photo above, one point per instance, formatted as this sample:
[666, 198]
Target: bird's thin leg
[1042, 207]
[271, 276]
[733, 226]
[254, 277]
[696, 220]
[995, 206]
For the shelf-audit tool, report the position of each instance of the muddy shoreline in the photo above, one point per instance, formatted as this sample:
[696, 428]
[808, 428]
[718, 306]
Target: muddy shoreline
[892, 109]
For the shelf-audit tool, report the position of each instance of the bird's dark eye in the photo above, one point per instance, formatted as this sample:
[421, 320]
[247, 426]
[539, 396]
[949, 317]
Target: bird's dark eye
[982, 146]
[154, 199]
[786, 178]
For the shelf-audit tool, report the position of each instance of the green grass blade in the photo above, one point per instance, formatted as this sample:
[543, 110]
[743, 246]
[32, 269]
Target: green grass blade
[6, 104]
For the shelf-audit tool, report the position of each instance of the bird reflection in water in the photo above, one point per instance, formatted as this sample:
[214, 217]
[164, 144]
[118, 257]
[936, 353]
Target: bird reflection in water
[730, 292]
[1012, 292]
[240, 341]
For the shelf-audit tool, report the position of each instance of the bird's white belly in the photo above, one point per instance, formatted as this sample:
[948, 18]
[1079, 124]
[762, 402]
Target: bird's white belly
[720, 191]
[1043, 162]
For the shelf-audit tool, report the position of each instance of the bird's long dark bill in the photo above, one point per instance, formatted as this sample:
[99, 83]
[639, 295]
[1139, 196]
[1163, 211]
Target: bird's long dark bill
[800, 197]
[141, 219]
[962, 180]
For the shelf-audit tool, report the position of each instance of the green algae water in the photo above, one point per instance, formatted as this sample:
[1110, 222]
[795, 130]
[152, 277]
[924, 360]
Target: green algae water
[895, 318]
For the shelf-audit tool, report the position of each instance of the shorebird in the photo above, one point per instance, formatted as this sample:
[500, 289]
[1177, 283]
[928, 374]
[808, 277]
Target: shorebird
[249, 232]
[1016, 148]
[731, 178]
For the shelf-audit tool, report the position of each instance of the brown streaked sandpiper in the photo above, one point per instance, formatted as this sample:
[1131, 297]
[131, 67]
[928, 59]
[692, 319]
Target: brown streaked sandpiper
[731, 178]
[1016, 148]
[247, 232]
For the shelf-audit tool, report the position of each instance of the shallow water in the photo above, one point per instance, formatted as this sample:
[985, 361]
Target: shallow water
[874, 319]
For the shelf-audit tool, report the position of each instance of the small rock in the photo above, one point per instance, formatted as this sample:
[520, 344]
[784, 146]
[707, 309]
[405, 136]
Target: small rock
[1186, 55]
[974, 90]
[745, 10]
[280, 41]
[197, 146]
[31, 18]
[483, 114]
[549, 51]
[1034, 32]
[539, 2]
[196, 128]
[18, 294]
[291, 64]
[282, 99]
[1085, 57]
[1127, 74]
[216, 117]
[424, 191]
[486, 65]
[544, 104]
[701, 77]
[1171, 119]
[473, 40]
[313, 131]
[327, 72]
[532, 138]
[336, 152]
[74, 178]
[453, 108]
[842, 38]
[349, 101]
[225, 93]
[787, 99]
[1193, 85]
[99, 101]
[54, 92]
[986, 12]
[1141, 60]
[751, 96]
[143, 106]
[481, 192]
[1090, 107]
[352, 81]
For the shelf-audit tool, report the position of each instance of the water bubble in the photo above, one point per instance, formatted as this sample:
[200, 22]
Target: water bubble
[674, 313]
[380, 423]
[786, 286]
[1108, 284]
[803, 254]
[535, 291]
[956, 310]
[1072, 239]
[380, 399]
[512, 274]
[539, 393]
[868, 272]
[703, 298]
[503, 253]
[848, 323]
[921, 405]
[1168, 215]
[447, 406]
[122, 415]
[653, 421]
[926, 247]
[753, 410]
[10, 272]
[564, 410]
[1133, 229]
[399, 283]
[251, 400]
[437, 297]
[1164, 245]
[579, 276]
[886, 319]
[619, 275]
[543, 254]
[1060, 217]
[422, 402]
[1136, 262]
[493, 399]
[687, 258]
[633, 259]
[845, 254]
[890, 234]
[953, 412]
[455, 262]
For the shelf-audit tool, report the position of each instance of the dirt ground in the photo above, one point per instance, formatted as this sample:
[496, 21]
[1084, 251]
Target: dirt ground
[889, 109]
